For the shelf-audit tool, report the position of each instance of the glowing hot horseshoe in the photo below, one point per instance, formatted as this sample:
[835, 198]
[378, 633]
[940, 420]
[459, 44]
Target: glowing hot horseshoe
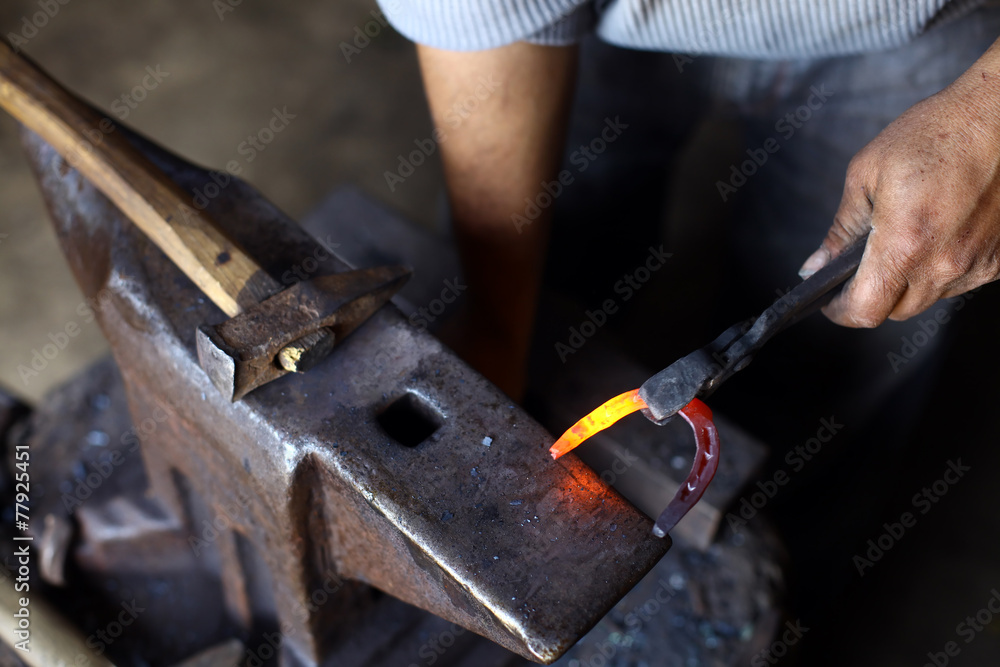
[706, 460]
[598, 420]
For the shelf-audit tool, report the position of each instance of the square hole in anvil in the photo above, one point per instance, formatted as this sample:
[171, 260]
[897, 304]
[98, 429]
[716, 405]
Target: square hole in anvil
[409, 420]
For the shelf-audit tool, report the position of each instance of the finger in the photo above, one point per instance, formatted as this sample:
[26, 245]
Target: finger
[936, 274]
[851, 222]
[872, 294]
[917, 299]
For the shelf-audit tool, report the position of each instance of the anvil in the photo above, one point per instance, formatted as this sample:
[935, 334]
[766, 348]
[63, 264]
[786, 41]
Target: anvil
[371, 466]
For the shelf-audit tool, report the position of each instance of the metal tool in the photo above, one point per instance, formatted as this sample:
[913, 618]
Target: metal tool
[274, 330]
[700, 373]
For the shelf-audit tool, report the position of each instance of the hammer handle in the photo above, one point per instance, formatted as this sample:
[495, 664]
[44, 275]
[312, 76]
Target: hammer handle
[89, 142]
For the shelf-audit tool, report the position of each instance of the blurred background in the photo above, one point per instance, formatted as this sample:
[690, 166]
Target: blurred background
[227, 73]
[224, 74]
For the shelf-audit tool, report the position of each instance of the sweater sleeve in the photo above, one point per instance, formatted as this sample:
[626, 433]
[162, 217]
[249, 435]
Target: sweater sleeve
[473, 25]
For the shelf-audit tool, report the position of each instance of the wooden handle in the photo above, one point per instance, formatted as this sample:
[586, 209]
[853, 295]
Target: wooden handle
[90, 143]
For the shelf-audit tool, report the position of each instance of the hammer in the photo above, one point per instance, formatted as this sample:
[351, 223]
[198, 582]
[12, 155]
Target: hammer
[272, 330]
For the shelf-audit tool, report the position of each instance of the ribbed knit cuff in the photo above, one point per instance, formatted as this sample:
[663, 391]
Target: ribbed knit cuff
[472, 25]
[570, 29]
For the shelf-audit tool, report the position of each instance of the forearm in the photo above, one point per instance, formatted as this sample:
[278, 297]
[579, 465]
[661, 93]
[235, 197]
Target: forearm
[495, 158]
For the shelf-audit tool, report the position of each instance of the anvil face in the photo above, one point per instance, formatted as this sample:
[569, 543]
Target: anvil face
[371, 465]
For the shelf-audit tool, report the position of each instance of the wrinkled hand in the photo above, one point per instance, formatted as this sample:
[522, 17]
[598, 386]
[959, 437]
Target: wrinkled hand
[928, 187]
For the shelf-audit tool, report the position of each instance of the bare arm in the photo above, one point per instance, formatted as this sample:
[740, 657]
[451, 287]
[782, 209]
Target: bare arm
[496, 157]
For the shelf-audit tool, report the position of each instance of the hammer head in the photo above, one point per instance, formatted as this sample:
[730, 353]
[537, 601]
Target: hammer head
[244, 352]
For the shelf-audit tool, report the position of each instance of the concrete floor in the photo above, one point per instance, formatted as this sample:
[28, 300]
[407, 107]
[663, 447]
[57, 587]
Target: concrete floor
[352, 119]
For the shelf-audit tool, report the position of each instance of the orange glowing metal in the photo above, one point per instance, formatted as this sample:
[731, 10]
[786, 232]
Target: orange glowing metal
[598, 420]
[706, 460]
